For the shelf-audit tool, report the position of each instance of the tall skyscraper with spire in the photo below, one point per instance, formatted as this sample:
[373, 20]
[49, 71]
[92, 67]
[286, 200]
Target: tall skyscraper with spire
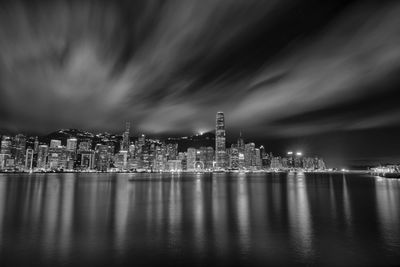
[220, 142]
[125, 137]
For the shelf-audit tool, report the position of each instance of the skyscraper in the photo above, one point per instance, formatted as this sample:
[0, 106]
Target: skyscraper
[36, 145]
[191, 158]
[42, 156]
[20, 146]
[220, 141]
[125, 137]
[72, 144]
[55, 143]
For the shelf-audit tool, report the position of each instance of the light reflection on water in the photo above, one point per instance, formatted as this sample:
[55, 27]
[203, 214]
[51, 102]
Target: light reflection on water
[192, 219]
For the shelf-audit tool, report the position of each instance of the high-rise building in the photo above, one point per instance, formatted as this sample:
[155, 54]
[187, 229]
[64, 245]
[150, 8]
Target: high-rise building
[6, 144]
[43, 151]
[257, 159]
[3, 160]
[20, 146]
[36, 145]
[220, 149]
[191, 158]
[57, 158]
[240, 143]
[172, 151]
[55, 143]
[87, 160]
[209, 158]
[174, 165]
[29, 159]
[249, 155]
[276, 163]
[72, 144]
[121, 160]
[234, 158]
[85, 145]
[102, 157]
[125, 137]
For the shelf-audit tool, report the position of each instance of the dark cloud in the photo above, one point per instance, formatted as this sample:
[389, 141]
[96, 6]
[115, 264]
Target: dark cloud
[276, 68]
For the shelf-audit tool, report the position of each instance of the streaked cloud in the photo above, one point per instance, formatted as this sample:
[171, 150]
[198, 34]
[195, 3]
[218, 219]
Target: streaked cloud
[169, 66]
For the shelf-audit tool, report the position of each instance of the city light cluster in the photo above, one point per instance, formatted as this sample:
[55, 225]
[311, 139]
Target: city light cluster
[84, 152]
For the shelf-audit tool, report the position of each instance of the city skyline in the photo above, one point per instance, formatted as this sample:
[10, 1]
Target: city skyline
[84, 151]
[291, 73]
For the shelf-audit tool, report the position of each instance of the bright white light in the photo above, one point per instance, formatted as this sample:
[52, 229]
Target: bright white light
[290, 153]
[299, 153]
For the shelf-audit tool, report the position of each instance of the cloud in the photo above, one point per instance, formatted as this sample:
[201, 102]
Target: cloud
[168, 67]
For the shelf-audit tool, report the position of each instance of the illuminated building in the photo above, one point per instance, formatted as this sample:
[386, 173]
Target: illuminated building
[220, 149]
[3, 160]
[160, 158]
[201, 154]
[121, 160]
[321, 164]
[209, 158]
[174, 165]
[57, 158]
[191, 158]
[290, 160]
[43, 151]
[6, 146]
[240, 143]
[36, 145]
[234, 158]
[102, 157]
[298, 160]
[141, 140]
[20, 146]
[308, 163]
[132, 151]
[285, 162]
[85, 146]
[125, 137]
[29, 159]
[87, 160]
[276, 163]
[55, 143]
[249, 155]
[72, 144]
[172, 151]
[257, 159]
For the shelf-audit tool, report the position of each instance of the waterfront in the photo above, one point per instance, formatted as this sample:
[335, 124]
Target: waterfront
[199, 219]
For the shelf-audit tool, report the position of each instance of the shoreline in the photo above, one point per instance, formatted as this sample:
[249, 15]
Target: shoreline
[191, 172]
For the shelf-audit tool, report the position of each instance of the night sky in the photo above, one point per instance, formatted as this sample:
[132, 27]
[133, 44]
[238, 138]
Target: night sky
[320, 76]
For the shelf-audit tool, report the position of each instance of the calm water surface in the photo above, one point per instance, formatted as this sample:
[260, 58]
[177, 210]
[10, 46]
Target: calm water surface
[198, 220]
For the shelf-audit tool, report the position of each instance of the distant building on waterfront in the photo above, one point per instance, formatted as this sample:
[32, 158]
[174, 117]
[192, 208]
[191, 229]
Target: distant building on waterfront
[72, 144]
[220, 141]
[43, 152]
[55, 143]
[191, 158]
[6, 144]
[125, 137]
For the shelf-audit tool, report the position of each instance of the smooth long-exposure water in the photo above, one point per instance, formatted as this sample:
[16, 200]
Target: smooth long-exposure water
[198, 220]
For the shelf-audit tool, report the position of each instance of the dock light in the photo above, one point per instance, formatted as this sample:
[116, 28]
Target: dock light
[290, 153]
[299, 154]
